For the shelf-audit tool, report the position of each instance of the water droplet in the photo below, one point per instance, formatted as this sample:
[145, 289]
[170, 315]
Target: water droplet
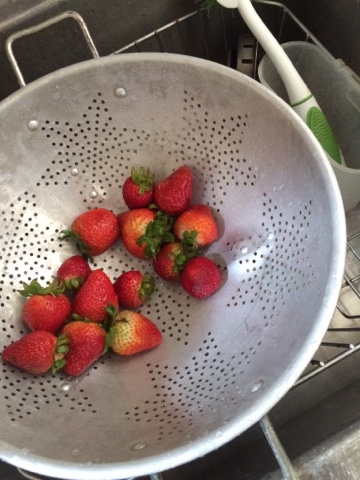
[76, 452]
[120, 92]
[270, 236]
[257, 385]
[33, 125]
[244, 250]
[93, 194]
[65, 387]
[127, 419]
[74, 171]
[139, 446]
[218, 434]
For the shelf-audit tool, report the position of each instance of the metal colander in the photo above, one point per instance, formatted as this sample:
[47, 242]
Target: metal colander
[68, 141]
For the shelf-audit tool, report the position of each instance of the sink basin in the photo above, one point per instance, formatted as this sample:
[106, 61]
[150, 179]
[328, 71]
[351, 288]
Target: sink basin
[318, 421]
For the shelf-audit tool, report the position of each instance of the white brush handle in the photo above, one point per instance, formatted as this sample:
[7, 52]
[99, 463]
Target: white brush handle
[295, 86]
[301, 99]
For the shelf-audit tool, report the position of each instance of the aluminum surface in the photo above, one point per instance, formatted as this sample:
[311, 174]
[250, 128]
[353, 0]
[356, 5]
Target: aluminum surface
[67, 143]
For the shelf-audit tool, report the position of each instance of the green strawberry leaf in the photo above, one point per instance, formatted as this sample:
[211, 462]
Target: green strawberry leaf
[74, 284]
[147, 286]
[79, 318]
[58, 365]
[111, 311]
[153, 206]
[61, 349]
[108, 341]
[55, 288]
[143, 178]
[83, 248]
[157, 232]
[180, 261]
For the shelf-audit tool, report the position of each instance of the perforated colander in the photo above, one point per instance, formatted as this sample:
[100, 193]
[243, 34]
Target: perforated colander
[68, 141]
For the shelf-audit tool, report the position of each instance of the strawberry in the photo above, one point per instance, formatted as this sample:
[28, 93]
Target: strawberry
[138, 189]
[46, 308]
[198, 224]
[133, 224]
[93, 296]
[131, 333]
[73, 272]
[86, 343]
[36, 352]
[200, 277]
[170, 260]
[133, 288]
[143, 231]
[95, 231]
[173, 194]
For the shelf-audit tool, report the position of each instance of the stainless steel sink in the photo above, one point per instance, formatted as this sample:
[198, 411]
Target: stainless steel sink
[318, 421]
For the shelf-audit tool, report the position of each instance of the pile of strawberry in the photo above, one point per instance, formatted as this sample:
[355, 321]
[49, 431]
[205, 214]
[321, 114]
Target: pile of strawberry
[82, 313]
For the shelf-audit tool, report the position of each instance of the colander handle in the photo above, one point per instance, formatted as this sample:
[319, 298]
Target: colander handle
[41, 26]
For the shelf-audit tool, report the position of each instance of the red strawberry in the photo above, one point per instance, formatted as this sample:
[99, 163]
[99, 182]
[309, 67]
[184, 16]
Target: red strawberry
[133, 288]
[170, 261]
[95, 231]
[95, 294]
[173, 194]
[201, 277]
[73, 272]
[197, 221]
[131, 333]
[138, 190]
[46, 308]
[143, 231]
[86, 343]
[36, 353]
[133, 224]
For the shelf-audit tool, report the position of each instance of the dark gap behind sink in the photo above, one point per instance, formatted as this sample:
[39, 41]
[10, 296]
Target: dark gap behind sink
[309, 414]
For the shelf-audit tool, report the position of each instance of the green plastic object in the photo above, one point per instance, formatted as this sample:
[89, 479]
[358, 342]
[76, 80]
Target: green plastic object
[320, 127]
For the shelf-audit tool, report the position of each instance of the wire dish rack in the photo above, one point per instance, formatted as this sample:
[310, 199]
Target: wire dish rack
[214, 35]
